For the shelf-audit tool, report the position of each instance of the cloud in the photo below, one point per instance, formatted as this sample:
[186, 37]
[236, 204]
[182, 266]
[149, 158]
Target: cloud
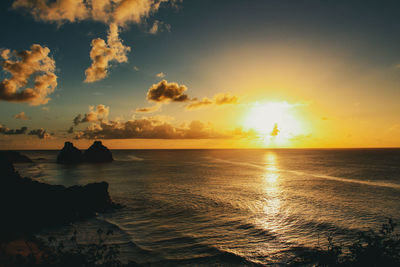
[159, 26]
[135, 68]
[148, 109]
[21, 116]
[148, 128]
[167, 92]
[103, 53]
[7, 131]
[155, 127]
[275, 130]
[114, 13]
[219, 100]
[40, 133]
[196, 104]
[95, 114]
[225, 98]
[160, 75]
[22, 66]
[121, 12]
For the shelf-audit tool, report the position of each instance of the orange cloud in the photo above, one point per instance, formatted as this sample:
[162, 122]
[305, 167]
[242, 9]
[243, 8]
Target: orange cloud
[199, 104]
[95, 114]
[225, 98]
[21, 116]
[275, 131]
[219, 99]
[23, 65]
[148, 109]
[114, 13]
[121, 12]
[103, 53]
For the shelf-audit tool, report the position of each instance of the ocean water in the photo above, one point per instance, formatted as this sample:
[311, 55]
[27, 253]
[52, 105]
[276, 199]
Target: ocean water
[232, 207]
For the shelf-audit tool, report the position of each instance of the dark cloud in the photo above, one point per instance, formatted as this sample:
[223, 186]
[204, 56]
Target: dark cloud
[7, 131]
[22, 66]
[166, 92]
[40, 133]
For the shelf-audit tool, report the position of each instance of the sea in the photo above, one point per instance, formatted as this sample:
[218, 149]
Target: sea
[231, 207]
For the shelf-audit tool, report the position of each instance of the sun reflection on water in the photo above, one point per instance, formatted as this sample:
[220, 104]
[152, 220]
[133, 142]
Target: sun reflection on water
[271, 188]
[271, 171]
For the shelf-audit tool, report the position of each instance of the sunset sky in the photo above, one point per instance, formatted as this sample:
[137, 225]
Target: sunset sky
[199, 74]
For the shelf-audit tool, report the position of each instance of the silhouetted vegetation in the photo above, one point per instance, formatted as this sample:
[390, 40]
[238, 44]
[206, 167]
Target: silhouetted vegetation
[372, 248]
[54, 253]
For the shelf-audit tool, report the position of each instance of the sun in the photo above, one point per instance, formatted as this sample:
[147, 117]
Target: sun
[275, 123]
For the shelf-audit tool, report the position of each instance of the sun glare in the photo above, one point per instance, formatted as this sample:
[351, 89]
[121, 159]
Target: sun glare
[274, 122]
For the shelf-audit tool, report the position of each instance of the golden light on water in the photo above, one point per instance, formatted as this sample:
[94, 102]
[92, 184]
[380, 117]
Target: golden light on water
[275, 122]
[272, 203]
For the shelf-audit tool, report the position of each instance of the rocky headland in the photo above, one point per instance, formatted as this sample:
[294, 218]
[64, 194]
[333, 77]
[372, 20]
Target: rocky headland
[28, 206]
[15, 157]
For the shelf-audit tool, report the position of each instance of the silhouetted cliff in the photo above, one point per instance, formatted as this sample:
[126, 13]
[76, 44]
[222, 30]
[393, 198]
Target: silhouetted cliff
[15, 157]
[28, 205]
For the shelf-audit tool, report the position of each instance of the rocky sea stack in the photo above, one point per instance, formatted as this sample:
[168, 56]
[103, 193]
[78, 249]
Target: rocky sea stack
[98, 153]
[69, 154]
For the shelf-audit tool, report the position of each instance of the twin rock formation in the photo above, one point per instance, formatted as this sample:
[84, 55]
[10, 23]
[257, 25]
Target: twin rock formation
[96, 153]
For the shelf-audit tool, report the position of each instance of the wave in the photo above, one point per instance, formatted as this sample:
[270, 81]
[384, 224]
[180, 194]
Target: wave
[128, 158]
[256, 231]
[224, 258]
[134, 158]
[348, 180]
[300, 173]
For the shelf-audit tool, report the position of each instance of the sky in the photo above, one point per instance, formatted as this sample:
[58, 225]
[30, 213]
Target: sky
[199, 74]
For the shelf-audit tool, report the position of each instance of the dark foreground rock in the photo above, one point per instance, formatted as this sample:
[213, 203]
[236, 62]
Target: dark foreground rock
[97, 153]
[15, 157]
[28, 206]
[69, 154]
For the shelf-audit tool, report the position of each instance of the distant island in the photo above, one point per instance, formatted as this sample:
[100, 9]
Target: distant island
[96, 153]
